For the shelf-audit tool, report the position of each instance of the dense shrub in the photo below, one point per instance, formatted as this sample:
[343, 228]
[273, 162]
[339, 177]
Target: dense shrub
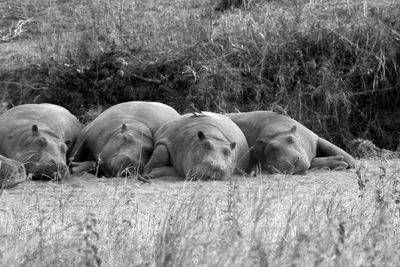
[332, 66]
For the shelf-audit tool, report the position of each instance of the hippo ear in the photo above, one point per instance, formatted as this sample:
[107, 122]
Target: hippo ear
[35, 130]
[201, 135]
[42, 141]
[293, 129]
[124, 128]
[233, 145]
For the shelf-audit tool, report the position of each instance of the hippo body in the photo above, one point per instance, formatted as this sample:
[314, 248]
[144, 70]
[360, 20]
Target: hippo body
[121, 138]
[198, 146]
[281, 144]
[39, 136]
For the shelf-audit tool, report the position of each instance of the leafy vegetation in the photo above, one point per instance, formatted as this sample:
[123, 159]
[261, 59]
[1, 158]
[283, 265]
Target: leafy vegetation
[332, 66]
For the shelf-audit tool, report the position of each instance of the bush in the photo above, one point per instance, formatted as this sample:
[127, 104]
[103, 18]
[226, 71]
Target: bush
[332, 66]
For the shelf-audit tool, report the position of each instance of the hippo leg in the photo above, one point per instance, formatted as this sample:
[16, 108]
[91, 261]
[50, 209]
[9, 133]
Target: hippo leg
[256, 158]
[252, 166]
[334, 162]
[327, 149]
[165, 172]
[86, 166]
[255, 171]
[159, 158]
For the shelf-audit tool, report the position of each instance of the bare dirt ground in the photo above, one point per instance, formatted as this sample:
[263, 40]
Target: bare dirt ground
[158, 195]
[153, 199]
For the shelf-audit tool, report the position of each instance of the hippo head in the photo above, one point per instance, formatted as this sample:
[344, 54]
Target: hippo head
[282, 153]
[45, 158]
[210, 158]
[126, 151]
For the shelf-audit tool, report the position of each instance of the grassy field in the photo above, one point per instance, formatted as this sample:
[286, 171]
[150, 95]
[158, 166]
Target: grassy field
[324, 218]
[332, 65]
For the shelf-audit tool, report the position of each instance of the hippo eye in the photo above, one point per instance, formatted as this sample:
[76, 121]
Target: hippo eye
[290, 139]
[42, 141]
[63, 148]
[226, 152]
[127, 139]
[207, 145]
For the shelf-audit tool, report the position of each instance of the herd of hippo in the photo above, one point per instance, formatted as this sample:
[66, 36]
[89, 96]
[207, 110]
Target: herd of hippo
[150, 139]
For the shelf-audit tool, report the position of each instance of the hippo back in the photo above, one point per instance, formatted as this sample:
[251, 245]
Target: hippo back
[151, 114]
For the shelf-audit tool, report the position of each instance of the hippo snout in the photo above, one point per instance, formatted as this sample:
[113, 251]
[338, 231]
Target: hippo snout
[50, 170]
[300, 171]
[218, 169]
[300, 166]
[216, 166]
[211, 170]
[124, 164]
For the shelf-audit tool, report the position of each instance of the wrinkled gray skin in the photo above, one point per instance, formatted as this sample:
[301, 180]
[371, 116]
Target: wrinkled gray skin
[282, 145]
[121, 138]
[39, 136]
[198, 146]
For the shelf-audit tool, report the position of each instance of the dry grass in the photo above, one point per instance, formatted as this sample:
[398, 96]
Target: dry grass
[333, 67]
[323, 218]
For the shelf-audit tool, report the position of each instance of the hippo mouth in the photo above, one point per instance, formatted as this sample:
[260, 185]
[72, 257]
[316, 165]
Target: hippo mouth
[123, 166]
[208, 173]
[129, 171]
[285, 168]
[277, 170]
[205, 177]
[47, 176]
[49, 171]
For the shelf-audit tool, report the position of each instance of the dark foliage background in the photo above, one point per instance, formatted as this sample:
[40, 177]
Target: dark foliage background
[338, 77]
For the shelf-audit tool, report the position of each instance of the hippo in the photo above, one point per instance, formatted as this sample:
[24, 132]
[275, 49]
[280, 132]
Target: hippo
[198, 146]
[282, 145]
[12, 172]
[39, 136]
[121, 138]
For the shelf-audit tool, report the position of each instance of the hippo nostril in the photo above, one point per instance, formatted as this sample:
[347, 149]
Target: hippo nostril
[218, 168]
